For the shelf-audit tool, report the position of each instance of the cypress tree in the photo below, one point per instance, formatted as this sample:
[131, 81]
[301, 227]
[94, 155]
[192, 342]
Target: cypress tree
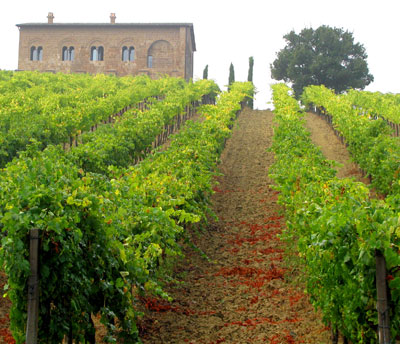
[250, 101]
[231, 75]
[251, 64]
[205, 72]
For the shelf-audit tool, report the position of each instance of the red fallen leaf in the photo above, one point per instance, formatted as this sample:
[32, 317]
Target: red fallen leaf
[6, 335]
[275, 292]
[274, 339]
[265, 237]
[294, 320]
[238, 270]
[273, 218]
[241, 309]
[324, 329]
[277, 258]
[293, 299]
[272, 225]
[252, 277]
[257, 321]
[157, 305]
[206, 312]
[255, 228]
[271, 250]
[283, 338]
[254, 300]
[290, 339]
[218, 341]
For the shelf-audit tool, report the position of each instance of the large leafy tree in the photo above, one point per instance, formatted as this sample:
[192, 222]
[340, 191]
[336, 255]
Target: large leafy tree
[325, 56]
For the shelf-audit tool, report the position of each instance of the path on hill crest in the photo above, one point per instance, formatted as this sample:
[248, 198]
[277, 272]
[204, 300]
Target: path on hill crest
[244, 294]
[323, 136]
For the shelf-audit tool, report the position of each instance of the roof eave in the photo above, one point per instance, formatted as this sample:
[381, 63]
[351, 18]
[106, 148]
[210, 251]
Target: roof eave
[190, 25]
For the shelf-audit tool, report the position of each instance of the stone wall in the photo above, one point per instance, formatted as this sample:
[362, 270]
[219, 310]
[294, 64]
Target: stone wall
[170, 45]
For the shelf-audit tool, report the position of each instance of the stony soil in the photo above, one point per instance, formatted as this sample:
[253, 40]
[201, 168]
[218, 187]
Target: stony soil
[246, 293]
[5, 334]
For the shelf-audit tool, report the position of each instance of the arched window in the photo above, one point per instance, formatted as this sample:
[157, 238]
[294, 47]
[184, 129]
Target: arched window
[97, 54]
[125, 54]
[93, 54]
[40, 53]
[65, 54]
[162, 56]
[128, 54]
[71, 53]
[34, 56]
[68, 54]
[131, 53]
[100, 52]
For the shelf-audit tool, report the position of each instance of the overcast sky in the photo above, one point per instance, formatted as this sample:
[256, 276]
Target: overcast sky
[231, 31]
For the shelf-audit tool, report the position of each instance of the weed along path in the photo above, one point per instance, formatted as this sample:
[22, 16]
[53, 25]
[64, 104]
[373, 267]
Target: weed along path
[246, 292]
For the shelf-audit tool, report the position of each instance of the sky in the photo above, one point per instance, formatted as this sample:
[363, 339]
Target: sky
[230, 31]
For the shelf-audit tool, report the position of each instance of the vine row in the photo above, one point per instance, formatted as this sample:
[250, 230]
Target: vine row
[104, 240]
[337, 230]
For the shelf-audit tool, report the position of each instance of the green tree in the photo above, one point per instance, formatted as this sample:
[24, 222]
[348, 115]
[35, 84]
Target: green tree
[325, 56]
[250, 101]
[205, 72]
[231, 75]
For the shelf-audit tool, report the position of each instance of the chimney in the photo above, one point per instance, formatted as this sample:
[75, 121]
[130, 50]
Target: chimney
[50, 18]
[112, 18]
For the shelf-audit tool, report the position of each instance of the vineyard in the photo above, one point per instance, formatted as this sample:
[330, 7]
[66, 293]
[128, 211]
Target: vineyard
[108, 226]
[126, 211]
[341, 230]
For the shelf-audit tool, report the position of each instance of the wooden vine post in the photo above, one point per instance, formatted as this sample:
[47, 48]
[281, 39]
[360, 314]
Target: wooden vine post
[382, 299]
[33, 289]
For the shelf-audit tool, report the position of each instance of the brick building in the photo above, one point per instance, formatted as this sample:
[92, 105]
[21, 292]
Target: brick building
[110, 48]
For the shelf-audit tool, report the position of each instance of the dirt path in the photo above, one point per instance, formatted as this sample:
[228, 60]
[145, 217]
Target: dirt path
[5, 333]
[244, 293]
[324, 137]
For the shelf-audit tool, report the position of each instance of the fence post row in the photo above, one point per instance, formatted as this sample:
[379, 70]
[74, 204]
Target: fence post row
[382, 305]
[33, 288]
